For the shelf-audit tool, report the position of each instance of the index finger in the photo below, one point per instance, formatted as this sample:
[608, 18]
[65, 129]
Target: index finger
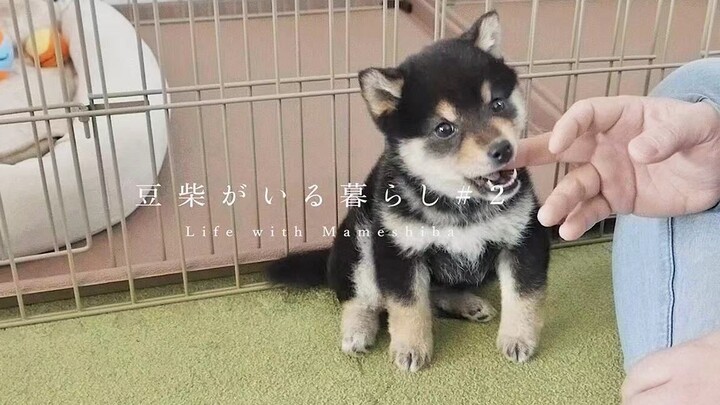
[533, 151]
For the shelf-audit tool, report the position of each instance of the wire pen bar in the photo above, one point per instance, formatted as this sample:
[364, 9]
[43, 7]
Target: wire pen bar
[36, 136]
[200, 88]
[279, 113]
[115, 165]
[253, 15]
[288, 80]
[298, 73]
[5, 238]
[248, 75]
[656, 27]
[96, 144]
[307, 94]
[171, 157]
[264, 57]
[148, 121]
[53, 158]
[333, 112]
[147, 303]
[531, 53]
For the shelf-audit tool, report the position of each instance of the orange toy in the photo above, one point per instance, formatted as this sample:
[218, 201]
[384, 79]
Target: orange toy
[45, 40]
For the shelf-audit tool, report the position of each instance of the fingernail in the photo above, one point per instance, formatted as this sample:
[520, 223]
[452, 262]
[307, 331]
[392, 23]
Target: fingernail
[565, 234]
[542, 216]
[553, 146]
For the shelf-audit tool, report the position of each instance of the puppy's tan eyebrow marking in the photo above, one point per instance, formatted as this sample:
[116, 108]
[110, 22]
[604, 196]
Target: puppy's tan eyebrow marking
[486, 92]
[446, 111]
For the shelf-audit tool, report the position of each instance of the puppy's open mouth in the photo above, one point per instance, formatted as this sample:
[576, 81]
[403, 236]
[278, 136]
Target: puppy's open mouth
[495, 180]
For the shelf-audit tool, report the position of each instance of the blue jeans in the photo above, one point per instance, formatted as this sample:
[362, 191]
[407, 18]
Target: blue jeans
[666, 271]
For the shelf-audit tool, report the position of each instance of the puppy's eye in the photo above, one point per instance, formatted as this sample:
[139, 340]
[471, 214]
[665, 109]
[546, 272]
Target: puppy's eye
[445, 130]
[498, 105]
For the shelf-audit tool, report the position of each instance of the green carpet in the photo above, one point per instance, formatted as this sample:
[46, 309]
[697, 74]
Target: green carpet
[277, 347]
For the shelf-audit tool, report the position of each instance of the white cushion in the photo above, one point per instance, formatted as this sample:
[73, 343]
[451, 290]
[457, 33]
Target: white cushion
[20, 184]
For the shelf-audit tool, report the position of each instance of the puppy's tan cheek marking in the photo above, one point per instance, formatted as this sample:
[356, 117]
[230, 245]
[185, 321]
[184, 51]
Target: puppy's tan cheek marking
[473, 150]
[446, 110]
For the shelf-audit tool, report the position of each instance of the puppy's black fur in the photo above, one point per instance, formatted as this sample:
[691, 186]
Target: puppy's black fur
[451, 116]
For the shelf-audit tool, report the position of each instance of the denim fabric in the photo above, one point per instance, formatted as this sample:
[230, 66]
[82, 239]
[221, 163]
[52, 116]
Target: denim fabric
[666, 271]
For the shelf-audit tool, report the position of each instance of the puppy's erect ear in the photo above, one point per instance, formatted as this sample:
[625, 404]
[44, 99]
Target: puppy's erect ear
[382, 89]
[485, 34]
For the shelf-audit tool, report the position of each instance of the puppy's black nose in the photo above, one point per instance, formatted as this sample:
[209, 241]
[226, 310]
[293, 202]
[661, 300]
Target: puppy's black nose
[501, 152]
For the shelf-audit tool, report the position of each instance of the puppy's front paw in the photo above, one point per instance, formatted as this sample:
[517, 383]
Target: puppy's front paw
[357, 343]
[517, 349]
[408, 358]
[411, 338]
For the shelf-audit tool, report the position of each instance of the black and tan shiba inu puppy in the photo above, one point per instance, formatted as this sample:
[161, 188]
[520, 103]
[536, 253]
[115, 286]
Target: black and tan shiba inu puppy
[452, 115]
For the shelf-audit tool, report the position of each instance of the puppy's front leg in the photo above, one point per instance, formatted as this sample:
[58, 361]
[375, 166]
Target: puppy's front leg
[520, 317]
[410, 325]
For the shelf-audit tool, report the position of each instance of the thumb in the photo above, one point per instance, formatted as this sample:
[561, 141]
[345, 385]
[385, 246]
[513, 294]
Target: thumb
[659, 144]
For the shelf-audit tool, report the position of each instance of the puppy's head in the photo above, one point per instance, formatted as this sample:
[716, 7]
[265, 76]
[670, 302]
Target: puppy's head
[453, 112]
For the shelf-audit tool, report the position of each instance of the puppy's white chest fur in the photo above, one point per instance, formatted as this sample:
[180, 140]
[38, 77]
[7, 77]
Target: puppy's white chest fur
[470, 241]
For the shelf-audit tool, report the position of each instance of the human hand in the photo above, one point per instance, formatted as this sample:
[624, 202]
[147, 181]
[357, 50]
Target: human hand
[685, 374]
[647, 156]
